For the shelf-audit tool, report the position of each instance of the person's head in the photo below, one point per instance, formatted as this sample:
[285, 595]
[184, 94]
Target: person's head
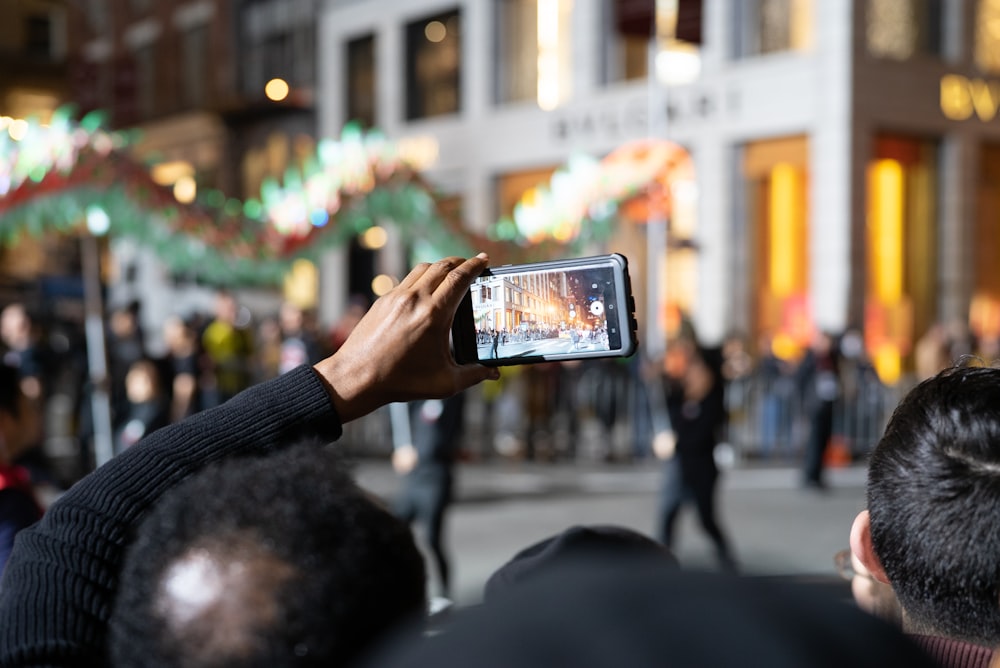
[124, 323]
[226, 308]
[594, 544]
[142, 382]
[178, 335]
[15, 326]
[290, 318]
[268, 561]
[642, 616]
[933, 498]
[20, 422]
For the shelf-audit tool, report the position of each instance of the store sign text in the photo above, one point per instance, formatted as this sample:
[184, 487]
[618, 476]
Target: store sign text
[630, 120]
[962, 97]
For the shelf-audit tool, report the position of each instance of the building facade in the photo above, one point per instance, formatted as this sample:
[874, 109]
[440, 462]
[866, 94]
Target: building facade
[844, 152]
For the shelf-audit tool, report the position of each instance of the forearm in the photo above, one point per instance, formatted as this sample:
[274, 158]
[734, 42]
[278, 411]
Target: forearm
[60, 583]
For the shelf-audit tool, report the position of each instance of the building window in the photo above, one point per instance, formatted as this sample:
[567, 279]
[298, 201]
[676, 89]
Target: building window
[360, 77]
[776, 192]
[626, 42]
[987, 49]
[433, 66]
[97, 16]
[145, 81]
[38, 36]
[773, 26]
[900, 29]
[902, 261]
[195, 62]
[534, 50]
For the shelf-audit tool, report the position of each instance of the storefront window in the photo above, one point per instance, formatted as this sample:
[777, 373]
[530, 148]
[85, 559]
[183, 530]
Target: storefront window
[984, 316]
[901, 242]
[535, 51]
[900, 29]
[433, 66]
[626, 44]
[772, 26]
[360, 76]
[987, 50]
[777, 206]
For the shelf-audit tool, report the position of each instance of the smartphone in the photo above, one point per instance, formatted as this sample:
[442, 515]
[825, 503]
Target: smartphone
[547, 312]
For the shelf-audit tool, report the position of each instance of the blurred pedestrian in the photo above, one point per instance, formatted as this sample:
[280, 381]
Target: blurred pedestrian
[297, 344]
[228, 346]
[182, 362]
[695, 404]
[819, 382]
[427, 463]
[146, 406]
[20, 430]
[18, 348]
[125, 348]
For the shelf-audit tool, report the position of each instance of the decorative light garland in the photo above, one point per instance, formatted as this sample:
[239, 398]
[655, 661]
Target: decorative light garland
[52, 175]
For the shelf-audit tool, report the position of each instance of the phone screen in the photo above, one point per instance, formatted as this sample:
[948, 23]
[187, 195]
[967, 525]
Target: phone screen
[561, 313]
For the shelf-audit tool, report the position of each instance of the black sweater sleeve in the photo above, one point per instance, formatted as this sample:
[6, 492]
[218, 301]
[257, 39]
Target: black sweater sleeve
[60, 583]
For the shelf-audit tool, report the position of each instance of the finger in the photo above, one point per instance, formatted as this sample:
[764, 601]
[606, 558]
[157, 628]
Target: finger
[473, 374]
[456, 283]
[414, 275]
[436, 272]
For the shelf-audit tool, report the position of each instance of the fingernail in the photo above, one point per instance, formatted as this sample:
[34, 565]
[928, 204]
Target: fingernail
[482, 256]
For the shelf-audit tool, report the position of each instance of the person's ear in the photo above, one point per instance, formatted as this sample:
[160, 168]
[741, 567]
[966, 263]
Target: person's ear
[861, 546]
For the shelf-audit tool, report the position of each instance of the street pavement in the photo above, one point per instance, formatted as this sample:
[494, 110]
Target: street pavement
[776, 527]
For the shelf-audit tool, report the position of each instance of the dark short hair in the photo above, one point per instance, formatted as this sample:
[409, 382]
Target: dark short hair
[313, 570]
[934, 499]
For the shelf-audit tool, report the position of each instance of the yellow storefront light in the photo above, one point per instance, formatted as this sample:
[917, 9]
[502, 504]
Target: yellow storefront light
[787, 231]
[886, 222]
[888, 363]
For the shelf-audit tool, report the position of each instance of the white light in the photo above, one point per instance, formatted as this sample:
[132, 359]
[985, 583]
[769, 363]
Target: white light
[98, 221]
[674, 67]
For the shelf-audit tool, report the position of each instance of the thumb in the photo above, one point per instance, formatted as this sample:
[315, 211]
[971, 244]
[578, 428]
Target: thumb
[473, 374]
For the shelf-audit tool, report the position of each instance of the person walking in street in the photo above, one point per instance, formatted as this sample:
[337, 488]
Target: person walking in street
[819, 383]
[694, 396]
[427, 465]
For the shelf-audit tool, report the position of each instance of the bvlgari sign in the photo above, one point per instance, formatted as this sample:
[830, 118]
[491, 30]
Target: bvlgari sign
[963, 97]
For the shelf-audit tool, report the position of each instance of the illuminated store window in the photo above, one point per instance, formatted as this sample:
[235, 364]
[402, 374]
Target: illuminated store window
[771, 26]
[534, 46]
[984, 316]
[901, 243]
[433, 66]
[510, 187]
[777, 206]
[987, 26]
[360, 97]
[900, 29]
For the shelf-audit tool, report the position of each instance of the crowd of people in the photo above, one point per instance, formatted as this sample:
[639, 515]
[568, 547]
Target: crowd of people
[236, 536]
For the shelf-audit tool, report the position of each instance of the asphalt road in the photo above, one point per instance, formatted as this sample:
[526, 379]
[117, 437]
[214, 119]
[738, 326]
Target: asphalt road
[777, 529]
